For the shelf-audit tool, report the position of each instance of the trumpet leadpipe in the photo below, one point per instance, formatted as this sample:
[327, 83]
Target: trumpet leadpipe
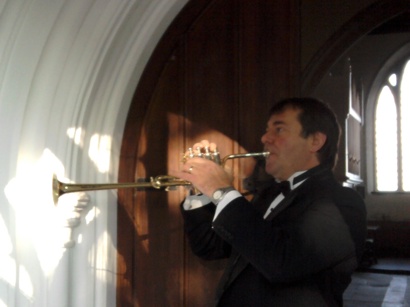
[246, 155]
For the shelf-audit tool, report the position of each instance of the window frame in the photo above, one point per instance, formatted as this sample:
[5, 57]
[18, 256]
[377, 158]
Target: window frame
[394, 64]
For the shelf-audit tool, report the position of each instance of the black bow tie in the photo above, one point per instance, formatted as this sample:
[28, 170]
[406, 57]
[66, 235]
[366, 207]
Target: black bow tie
[284, 187]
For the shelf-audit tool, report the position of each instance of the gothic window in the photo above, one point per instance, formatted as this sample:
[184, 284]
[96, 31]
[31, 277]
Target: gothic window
[392, 130]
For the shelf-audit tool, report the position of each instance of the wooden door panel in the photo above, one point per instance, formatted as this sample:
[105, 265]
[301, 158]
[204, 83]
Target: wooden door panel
[212, 80]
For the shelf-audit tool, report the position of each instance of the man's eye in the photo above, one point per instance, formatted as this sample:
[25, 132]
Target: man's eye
[279, 129]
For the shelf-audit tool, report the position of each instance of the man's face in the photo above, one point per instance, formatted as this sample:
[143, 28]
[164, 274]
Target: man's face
[289, 151]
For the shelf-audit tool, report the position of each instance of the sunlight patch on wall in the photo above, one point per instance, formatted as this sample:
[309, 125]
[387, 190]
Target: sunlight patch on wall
[101, 260]
[37, 219]
[8, 267]
[25, 283]
[8, 270]
[77, 135]
[92, 215]
[100, 151]
[6, 245]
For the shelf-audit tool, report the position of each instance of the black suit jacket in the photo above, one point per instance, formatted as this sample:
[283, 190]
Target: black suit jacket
[303, 255]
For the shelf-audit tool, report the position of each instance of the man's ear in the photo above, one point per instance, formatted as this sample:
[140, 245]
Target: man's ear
[318, 140]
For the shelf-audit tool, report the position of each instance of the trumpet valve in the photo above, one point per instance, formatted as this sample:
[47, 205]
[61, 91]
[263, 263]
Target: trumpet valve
[207, 155]
[199, 152]
[216, 157]
[191, 152]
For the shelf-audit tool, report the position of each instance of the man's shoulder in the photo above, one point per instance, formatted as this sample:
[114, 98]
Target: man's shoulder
[326, 185]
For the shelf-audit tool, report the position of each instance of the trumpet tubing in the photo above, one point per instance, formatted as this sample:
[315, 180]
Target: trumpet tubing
[162, 181]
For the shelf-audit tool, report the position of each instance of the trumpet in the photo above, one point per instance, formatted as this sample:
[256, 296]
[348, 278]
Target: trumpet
[162, 181]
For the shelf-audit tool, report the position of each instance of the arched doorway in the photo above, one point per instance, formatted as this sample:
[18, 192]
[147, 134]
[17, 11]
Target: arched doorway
[213, 75]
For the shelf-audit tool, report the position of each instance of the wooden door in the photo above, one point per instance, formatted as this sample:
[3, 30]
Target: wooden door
[213, 76]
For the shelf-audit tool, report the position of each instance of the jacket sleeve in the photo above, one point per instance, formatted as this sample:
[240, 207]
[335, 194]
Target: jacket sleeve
[203, 240]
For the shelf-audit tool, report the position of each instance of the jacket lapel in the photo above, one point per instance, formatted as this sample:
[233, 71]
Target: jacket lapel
[264, 198]
[314, 174]
[281, 206]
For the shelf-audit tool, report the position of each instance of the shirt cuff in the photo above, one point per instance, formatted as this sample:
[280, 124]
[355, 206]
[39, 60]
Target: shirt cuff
[195, 201]
[230, 196]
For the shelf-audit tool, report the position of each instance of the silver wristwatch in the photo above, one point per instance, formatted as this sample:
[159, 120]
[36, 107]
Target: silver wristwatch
[219, 194]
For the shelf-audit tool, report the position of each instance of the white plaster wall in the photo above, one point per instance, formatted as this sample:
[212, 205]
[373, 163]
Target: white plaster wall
[68, 69]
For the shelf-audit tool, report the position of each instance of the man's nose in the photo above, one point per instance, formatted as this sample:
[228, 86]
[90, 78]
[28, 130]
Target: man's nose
[266, 138]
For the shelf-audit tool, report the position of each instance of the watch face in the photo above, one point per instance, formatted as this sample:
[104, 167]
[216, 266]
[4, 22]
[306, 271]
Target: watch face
[217, 194]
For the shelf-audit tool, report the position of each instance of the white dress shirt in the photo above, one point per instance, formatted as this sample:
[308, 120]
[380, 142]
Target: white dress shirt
[196, 201]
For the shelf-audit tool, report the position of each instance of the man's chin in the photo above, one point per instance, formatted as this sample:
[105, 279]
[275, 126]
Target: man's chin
[270, 170]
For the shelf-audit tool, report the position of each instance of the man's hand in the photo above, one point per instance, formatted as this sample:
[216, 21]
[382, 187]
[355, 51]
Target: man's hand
[206, 175]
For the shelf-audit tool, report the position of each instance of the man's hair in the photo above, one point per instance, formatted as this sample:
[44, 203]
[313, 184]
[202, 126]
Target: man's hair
[315, 116]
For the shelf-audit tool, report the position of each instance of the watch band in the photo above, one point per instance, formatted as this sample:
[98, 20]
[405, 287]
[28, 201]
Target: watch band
[219, 194]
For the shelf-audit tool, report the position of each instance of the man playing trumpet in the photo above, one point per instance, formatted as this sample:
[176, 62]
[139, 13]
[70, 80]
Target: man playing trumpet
[300, 239]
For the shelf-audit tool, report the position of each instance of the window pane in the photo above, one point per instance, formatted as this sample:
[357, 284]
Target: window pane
[393, 80]
[386, 142]
[405, 126]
